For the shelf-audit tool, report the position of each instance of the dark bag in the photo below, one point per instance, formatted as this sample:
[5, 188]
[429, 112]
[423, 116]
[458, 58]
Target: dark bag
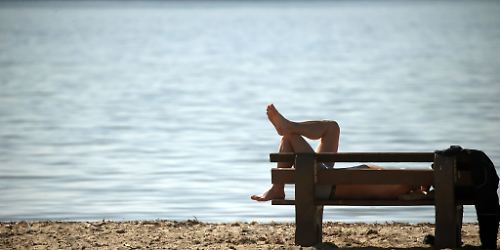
[485, 180]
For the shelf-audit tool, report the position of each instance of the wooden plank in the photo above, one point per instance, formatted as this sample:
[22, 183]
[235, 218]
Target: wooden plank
[446, 210]
[308, 216]
[282, 157]
[376, 157]
[362, 202]
[283, 176]
[429, 202]
[360, 157]
[283, 202]
[351, 176]
[372, 177]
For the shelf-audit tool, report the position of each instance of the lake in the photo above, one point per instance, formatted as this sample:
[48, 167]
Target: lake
[156, 110]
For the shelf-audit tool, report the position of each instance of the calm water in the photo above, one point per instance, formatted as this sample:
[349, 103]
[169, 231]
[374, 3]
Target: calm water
[146, 110]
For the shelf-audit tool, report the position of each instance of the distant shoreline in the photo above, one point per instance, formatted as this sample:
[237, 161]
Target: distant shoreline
[196, 234]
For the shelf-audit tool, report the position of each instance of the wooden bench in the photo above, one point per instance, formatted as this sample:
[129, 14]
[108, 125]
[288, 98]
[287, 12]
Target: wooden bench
[444, 177]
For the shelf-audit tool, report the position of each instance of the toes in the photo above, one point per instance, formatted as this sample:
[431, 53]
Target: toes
[269, 107]
[262, 199]
[259, 198]
[256, 198]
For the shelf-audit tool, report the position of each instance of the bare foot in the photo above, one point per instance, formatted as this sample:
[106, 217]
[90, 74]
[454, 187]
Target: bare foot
[272, 193]
[280, 123]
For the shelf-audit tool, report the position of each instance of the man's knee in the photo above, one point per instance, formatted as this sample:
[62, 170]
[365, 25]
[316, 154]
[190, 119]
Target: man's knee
[333, 126]
[285, 139]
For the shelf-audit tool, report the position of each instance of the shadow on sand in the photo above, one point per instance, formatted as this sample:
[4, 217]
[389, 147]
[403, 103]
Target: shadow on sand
[328, 246]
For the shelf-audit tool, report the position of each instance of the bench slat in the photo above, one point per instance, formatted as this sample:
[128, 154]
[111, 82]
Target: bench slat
[283, 175]
[287, 175]
[428, 202]
[361, 202]
[350, 176]
[360, 157]
[372, 177]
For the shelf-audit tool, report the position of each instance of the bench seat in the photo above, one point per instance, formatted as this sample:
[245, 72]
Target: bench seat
[423, 202]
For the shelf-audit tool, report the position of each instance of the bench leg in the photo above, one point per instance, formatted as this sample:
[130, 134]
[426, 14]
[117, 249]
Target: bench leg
[460, 215]
[308, 216]
[309, 231]
[448, 214]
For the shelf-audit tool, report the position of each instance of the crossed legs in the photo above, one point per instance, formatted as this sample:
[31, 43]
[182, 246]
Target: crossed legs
[328, 133]
[292, 141]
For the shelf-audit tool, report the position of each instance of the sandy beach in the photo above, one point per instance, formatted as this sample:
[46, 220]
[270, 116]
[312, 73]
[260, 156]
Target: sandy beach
[193, 234]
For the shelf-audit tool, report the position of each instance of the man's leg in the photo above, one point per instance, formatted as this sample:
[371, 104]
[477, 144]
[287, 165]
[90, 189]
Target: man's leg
[292, 141]
[292, 144]
[329, 139]
[289, 143]
[314, 130]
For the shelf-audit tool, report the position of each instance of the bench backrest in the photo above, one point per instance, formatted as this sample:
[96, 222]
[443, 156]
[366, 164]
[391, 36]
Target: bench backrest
[460, 177]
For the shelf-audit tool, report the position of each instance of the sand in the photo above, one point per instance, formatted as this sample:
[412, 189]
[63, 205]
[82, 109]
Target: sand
[193, 234]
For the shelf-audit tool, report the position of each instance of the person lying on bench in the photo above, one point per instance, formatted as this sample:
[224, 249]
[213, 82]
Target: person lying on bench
[328, 133]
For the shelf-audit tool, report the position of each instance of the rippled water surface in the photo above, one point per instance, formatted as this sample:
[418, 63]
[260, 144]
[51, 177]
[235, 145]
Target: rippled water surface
[146, 110]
